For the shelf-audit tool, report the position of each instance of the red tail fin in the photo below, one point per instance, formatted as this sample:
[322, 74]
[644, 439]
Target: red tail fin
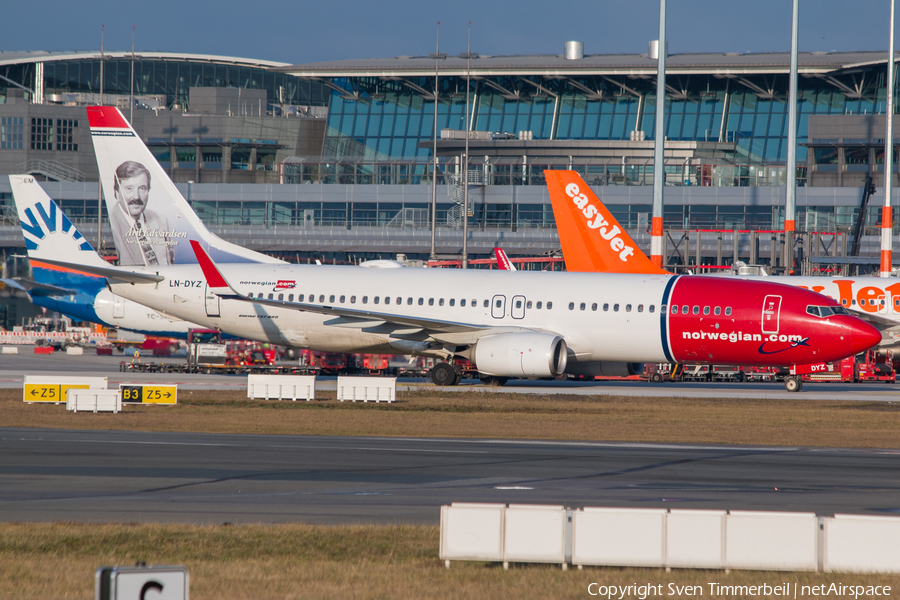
[592, 240]
[503, 262]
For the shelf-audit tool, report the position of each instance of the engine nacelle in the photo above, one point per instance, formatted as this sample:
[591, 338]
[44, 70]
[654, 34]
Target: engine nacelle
[605, 368]
[521, 355]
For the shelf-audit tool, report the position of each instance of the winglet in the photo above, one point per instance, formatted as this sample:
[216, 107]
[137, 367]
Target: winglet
[214, 279]
[503, 262]
[591, 238]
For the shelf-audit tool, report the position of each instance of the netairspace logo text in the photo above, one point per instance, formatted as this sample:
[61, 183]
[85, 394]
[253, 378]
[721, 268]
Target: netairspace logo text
[718, 590]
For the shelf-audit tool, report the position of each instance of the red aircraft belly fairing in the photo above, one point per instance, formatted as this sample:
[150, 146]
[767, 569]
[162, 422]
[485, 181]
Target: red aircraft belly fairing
[767, 326]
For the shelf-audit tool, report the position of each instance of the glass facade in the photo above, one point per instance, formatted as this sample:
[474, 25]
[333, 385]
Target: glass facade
[174, 78]
[12, 133]
[377, 119]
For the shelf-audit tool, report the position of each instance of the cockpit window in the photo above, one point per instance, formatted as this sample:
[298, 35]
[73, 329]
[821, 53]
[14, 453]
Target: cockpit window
[826, 311]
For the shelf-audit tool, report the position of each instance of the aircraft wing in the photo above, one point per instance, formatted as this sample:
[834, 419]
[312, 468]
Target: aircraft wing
[108, 272]
[346, 317]
[39, 289]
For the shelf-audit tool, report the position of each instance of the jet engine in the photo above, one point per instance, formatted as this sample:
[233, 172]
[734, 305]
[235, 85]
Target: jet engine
[605, 368]
[521, 355]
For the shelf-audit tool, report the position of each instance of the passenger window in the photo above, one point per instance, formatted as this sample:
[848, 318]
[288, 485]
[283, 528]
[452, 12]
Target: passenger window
[462, 302]
[571, 306]
[387, 299]
[582, 306]
[352, 299]
[431, 302]
[331, 298]
[696, 310]
[441, 302]
[290, 297]
[652, 309]
[400, 301]
[376, 299]
[627, 308]
[640, 308]
[321, 297]
[475, 303]
[365, 299]
[549, 305]
[674, 309]
[518, 304]
[662, 309]
[539, 305]
[486, 303]
[409, 301]
[594, 307]
[499, 303]
[421, 301]
[718, 311]
[705, 310]
[727, 311]
[615, 308]
[528, 304]
[300, 298]
[343, 298]
[271, 296]
[606, 307]
[452, 301]
[281, 296]
[844, 301]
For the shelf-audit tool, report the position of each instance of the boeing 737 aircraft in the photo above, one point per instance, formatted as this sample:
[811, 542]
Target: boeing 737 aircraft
[509, 324]
[75, 293]
[593, 241]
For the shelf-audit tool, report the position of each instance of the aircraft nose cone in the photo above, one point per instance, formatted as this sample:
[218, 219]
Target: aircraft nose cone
[863, 336]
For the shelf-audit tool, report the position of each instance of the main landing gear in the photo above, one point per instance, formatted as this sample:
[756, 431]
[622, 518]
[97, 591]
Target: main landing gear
[444, 373]
[793, 384]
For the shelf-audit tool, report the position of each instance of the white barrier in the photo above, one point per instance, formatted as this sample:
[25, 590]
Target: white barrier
[534, 533]
[281, 387]
[695, 539]
[9, 350]
[472, 532]
[771, 541]
[862, 544]
[619, 537]
[375, 389]
[94, 400]
[74, 350]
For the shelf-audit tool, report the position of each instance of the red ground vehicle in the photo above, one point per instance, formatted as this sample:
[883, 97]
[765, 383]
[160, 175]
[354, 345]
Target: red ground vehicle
[159, 346]
[862, 367]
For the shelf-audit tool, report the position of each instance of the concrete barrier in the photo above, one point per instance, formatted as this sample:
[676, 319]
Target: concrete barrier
[471, 531]
[771, 541]
[75, 351]
[93, 400]
[367, 389]
[695, 539]
[281, 387]
[861, 544]
[534, 533]
[619, 537]
[9, 350]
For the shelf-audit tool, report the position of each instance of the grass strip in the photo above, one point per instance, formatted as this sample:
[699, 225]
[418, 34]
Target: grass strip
[851, 424]
[57, 561]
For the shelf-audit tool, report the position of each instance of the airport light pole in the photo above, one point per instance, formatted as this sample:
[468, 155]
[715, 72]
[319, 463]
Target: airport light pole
[131, 102]
[659, 169]
[886, 216]
[437, 57]
[99, 186]
[790, 197]
[465, 170]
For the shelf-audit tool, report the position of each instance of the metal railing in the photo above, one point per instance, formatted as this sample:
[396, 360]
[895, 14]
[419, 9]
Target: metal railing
[53, 170]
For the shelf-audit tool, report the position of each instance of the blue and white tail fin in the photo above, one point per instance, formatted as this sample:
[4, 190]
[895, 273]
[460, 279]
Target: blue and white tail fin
[167, 220]
[48, 233]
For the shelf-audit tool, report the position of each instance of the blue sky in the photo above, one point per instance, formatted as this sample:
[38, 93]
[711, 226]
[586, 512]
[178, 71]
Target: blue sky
[300, 32]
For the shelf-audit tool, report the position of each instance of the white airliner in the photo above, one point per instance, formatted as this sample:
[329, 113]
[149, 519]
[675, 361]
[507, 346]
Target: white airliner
[72, 292]
[593, 241]
[522, 324]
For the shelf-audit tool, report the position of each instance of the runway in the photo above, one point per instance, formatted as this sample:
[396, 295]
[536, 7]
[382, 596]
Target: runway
[112, 476]
[14, 367]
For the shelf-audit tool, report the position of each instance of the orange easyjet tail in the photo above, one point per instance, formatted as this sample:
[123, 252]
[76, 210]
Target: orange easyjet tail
[591, 238]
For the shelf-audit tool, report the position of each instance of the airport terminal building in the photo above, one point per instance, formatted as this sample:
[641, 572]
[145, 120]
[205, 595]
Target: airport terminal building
[334, 160]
